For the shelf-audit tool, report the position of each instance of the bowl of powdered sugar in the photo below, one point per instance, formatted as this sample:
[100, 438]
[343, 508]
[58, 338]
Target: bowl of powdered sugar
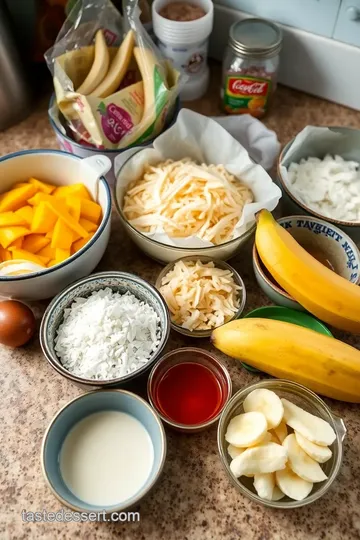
[104, 330]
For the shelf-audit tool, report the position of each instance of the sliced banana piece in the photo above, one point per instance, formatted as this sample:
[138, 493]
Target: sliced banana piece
[277, 493]
[303, 465]
[311, 427]
[246, 429]
[99, 67]
[281, 432]
[273, 437]
[321, 454]
[234, 451]
[292, 485]
[265, 439]
[265, 458]
[264, 485]
[266, 402]
[117, 69]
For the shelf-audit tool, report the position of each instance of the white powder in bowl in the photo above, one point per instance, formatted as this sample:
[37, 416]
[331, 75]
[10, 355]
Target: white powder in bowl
[107, 335]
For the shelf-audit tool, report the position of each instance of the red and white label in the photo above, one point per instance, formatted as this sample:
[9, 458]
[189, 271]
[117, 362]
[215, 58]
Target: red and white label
[247, 87]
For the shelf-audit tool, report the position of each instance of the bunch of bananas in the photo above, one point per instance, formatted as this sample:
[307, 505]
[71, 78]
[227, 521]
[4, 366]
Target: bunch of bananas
[324, 364]
[105, 76]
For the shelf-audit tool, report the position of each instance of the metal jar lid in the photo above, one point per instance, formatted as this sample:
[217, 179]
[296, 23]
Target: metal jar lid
[255, 37]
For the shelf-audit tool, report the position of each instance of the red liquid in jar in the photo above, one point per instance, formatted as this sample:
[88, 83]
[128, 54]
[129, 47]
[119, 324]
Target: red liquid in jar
[189, 393]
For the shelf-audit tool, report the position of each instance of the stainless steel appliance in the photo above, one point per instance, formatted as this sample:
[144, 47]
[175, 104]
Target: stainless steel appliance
[14, 89]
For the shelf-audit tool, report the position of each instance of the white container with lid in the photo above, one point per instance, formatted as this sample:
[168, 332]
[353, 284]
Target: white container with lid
[186, 44]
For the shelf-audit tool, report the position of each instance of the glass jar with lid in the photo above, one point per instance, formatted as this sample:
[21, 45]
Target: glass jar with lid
[250, 67]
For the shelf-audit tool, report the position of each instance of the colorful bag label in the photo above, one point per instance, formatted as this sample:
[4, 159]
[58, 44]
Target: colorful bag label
[244, 94]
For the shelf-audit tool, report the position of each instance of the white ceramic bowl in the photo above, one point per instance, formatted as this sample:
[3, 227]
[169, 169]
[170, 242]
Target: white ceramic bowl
[318, 235]
[164, 253]
[59, 168]
[81, 407]
[349, 148]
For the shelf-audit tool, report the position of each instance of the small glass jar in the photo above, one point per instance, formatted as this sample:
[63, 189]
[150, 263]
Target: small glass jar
[250, 67]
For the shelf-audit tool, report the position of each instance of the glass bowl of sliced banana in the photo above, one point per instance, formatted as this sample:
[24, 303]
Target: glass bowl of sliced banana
[280, 444]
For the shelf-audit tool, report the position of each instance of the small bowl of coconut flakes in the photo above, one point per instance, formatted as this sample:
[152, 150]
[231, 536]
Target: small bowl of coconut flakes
[319, 174]
[105, 330]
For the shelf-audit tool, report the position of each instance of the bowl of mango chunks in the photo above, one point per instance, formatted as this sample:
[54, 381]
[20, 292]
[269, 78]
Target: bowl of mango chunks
[55, 211]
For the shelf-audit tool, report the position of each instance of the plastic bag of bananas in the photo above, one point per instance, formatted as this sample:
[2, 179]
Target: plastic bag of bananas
[112, 84]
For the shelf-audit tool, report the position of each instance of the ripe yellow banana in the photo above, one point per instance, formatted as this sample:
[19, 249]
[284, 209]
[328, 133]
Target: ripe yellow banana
[321, 291]
[118, 68]
[99, 67]
[323, 364]
[149, 68]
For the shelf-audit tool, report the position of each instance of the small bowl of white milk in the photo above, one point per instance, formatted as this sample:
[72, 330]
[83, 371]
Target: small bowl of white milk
[103, 452]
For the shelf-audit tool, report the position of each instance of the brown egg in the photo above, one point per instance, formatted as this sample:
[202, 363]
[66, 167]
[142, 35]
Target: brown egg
[17, 323]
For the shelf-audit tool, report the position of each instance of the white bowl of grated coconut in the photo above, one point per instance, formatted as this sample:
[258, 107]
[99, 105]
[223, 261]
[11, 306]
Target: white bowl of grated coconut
[105, 330]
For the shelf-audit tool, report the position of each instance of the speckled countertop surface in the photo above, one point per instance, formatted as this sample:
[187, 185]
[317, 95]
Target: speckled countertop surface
[194, 499]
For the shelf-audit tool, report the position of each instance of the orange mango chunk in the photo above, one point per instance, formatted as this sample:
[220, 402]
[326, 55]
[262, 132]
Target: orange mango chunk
[8, 235]
[9, 219]
[5, 254]
[43, 197]
[62, 237]
[91, 210]
[47, 252]
[16, 198]
[50, 233]
[19, 184]
[35, 242]
[42, 186]
[73, 190]
[27, 256]
[18, 244]
[51, 263]
[89, 226]
[44, 219]
[67, 218]
[74, 207]
[61, 255]
[27, 213]
[80, 243]
[76, 236]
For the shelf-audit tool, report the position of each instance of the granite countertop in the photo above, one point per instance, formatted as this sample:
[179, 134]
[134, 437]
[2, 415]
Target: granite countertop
[194, 499]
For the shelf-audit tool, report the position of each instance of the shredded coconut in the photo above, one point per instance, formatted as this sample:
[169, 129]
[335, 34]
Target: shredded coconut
[199, 295]
[187, 199]
[330, 186]
[107, 335]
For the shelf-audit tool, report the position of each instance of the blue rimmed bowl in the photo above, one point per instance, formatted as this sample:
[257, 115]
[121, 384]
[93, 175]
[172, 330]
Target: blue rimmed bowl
[318, 237]
[78, 409]
[121, 282]
[59, 168]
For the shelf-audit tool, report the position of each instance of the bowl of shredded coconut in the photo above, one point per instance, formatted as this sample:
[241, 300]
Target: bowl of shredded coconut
[179, 207]
[201, 294]
[194, 191]
[105, 329]
[319, 173]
